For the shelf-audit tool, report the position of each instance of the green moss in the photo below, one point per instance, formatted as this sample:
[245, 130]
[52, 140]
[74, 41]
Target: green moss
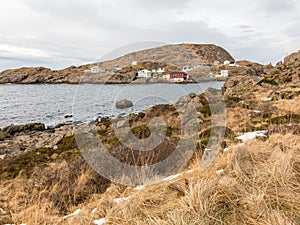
[287, 79]
[268, 81]
[67, 143]
[206, 110]
[141, 132]
[168, 131]
[3, 136]
[112, 142]
[25, 163]
[230, 99]
[291, 118]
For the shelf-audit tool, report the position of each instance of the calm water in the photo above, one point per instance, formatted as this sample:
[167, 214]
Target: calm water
[49, 103]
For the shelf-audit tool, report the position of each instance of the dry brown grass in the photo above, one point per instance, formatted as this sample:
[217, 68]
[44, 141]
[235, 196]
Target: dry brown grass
[260, 184]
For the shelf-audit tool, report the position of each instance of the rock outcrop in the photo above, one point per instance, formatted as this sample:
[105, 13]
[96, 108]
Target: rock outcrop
[23, 128]
[123, 104]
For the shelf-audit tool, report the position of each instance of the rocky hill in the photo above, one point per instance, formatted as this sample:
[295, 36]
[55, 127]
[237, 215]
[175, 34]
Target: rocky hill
[172, 56]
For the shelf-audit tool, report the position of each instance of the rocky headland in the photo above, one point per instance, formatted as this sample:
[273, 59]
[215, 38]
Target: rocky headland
[170, 57]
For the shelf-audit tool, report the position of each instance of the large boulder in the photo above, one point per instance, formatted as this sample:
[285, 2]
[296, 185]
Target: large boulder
[123, 104]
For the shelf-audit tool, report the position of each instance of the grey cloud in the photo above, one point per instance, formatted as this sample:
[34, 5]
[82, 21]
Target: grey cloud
[275, 6]
[293, 30]
[163, 4]
[74, 32]
[243, 26]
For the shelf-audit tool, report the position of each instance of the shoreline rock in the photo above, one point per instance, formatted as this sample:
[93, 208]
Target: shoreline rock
[124, 103]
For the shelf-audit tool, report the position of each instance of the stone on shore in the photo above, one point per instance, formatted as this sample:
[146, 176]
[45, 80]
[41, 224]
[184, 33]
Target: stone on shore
[123, 104]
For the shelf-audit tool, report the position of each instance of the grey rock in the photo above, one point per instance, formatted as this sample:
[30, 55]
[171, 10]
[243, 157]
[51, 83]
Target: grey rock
[124, 103]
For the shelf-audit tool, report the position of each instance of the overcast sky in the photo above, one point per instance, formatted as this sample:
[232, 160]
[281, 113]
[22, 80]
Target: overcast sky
[60, 33]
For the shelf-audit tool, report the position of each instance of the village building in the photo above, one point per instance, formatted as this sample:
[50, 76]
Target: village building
[179, 76]
[224, 74]
[216, 63]
[117, 69]
[226, 62]
[166, 76]
[160, 70]
[95, 69]
[134, 63]
[232, 64]
[144, 74]
[186, 68]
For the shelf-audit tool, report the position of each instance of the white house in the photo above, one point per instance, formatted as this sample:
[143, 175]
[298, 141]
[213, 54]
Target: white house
[166, 76]
[216, 63]
[226, 62]
[224, 73]
[187, 68]
[160, 70]
[233, 64]
[95, 69]
[134, 63]
[144, 74]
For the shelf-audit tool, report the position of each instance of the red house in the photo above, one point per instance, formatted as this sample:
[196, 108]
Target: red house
[179, 76]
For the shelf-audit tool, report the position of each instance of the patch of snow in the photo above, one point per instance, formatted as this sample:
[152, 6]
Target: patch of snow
[289, 125]
[14, 224]
[225, 149]
[139, 188]
[172, 177]
[251, 135]
[265, 99]
[77, 211]
[119, 200]
[38, 184]
[100, 221]
[94, 210]
[1, 210]
[257, 111]
[220, 171]
[189, 171]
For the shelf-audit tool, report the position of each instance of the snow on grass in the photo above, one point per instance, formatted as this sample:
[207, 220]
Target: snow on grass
[119, 200]
[100, 221]
[251, 135]
[189, 171]
[172, 177]
[139, 188]
[94, 210]
[77, 211]
[14, 224]
[220, 171]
